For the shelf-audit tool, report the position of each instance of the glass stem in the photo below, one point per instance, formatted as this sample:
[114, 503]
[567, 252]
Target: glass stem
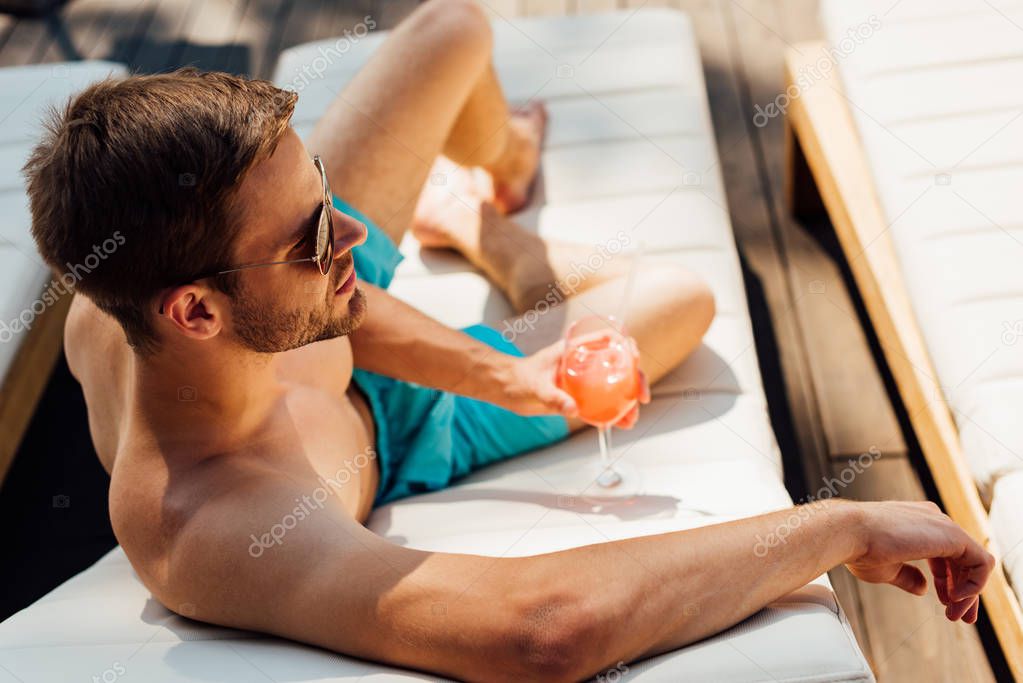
[608, 477]
[604, 434]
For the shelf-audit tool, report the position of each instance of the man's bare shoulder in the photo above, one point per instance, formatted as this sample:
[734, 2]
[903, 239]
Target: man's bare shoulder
[209, 539]
[100, 359]
[91, 333]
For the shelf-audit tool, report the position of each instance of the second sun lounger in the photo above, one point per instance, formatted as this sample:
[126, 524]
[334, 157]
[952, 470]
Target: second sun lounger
[916, 152]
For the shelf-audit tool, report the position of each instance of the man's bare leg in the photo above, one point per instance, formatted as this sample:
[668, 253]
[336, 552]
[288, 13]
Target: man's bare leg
[429, 89]
[668, 313]
[527, 268]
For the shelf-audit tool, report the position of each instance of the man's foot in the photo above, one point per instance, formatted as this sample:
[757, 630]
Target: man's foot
[514, 172]
[450, 210]
[454, 200]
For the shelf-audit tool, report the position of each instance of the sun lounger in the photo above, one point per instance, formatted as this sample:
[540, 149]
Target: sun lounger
[630, 149]
[917, 151]
[32, 309]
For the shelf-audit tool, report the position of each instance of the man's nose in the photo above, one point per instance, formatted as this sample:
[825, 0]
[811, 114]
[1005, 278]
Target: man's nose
[348, 233]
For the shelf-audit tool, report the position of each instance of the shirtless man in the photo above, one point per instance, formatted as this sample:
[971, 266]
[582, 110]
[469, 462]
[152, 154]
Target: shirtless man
[218, 400]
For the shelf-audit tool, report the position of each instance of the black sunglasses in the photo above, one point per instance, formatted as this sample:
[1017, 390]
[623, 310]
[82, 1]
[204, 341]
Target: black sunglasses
[324, 239]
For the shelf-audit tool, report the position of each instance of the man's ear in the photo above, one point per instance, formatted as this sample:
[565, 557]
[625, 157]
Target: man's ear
[192, 310]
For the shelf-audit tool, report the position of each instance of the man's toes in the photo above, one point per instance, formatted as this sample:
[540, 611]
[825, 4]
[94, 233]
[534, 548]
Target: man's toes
[509, 199]
[536, 113]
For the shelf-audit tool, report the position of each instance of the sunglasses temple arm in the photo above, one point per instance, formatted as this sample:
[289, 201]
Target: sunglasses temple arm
[263, 265]
[253, 265]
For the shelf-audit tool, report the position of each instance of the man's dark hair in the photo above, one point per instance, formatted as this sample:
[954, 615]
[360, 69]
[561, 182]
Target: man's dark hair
[152, 162]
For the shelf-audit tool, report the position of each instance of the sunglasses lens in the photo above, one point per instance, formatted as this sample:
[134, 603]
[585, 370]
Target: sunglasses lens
[325, 230]
[325, 242]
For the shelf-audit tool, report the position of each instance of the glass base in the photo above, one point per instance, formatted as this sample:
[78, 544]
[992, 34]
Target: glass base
[596, 486]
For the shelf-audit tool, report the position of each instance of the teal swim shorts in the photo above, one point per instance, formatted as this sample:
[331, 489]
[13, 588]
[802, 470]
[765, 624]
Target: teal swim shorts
[426, 438]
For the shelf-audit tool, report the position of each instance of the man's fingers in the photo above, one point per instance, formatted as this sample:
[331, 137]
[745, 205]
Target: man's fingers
[911, 580]
[644, 388]
[959, 581]
[969, 587]
[555, 350]
[957, 610]
[562, 402]
[971, 614]
[939, 568]
[969, 572]
[629, 421]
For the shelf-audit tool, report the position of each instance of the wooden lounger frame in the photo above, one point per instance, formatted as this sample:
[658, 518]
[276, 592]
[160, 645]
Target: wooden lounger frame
[27, 377]
[824, 148]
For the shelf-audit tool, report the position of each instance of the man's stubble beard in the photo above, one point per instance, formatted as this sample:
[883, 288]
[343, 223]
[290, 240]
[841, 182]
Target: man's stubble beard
[263, 329]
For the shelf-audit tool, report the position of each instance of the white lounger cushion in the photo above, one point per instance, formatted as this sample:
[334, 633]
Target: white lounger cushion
[933, 94]
[705, 445]
[25, 93]
[1007, 524]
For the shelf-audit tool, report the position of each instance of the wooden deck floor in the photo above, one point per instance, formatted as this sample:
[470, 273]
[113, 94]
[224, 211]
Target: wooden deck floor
[829, 397]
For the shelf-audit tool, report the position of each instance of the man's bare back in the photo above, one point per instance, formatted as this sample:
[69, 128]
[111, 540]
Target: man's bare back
[213, 441]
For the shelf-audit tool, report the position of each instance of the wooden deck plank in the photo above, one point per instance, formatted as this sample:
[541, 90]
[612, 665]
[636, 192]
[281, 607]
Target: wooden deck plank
[323, 21]
[126, 34]
[211, 37]
[26, 380]
[348, 15]
[910, 638]
[503, 9]
[78, 22]
[824, 125]
[314, 22]
[786, 375]
[255, 30]
[99, 29]
[389, 12]
[159, 46]
[119, 38]
[537, 8]
[848, 376]
[27, 40]
[589, 6]
[275, 16]
[855, 412]
[895, 631]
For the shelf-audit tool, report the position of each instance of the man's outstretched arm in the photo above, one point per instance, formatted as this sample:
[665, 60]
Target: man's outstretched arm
[559, 616]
